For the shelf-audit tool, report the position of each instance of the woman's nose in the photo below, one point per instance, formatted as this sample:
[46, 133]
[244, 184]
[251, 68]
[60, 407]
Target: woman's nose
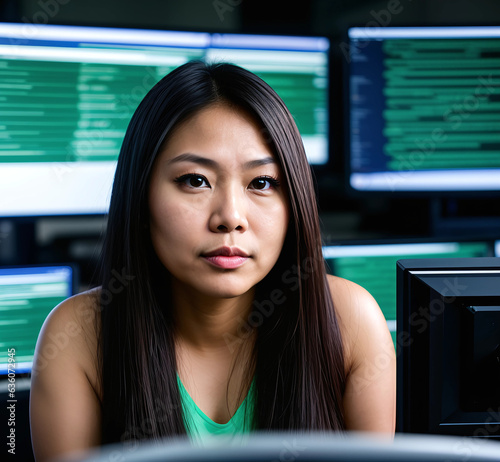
[229, 211]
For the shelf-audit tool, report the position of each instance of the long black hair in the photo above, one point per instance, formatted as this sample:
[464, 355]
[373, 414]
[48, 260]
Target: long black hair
[297, 356]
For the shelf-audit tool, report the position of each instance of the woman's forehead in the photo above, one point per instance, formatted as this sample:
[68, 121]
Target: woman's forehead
[221, 133]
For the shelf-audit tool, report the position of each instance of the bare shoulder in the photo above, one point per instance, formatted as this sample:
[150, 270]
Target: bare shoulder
[361, 321]
[69, 333]
[65, 396]
[350, 297]
[77, 305]
[76, 316]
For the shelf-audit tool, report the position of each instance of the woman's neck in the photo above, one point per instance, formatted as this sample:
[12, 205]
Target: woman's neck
[212, 326]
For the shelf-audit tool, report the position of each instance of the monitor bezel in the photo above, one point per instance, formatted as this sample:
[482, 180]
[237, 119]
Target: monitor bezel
[414, 339]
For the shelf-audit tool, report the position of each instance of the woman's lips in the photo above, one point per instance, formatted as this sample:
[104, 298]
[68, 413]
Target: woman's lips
[225, 262]
[226, 257]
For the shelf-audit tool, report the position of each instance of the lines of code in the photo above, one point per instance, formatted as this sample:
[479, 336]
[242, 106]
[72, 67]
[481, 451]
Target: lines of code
[442, 103]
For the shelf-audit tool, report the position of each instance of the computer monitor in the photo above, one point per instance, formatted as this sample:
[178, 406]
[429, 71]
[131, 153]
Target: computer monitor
[67, 94]
[448, 318]
[423, 110]
[27, 295]
[371, 265]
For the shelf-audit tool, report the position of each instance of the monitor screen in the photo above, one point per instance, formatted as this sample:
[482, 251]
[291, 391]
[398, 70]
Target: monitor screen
[372, 266]
[448, 377]
[424, 109]
[27, 295]
[67, 94]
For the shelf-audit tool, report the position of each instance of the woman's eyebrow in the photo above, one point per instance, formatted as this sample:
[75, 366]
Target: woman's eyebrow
[213, 164]
[188, 157]
[258, 162]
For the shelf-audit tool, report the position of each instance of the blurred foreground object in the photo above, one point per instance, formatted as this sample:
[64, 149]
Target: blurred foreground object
[313, 446]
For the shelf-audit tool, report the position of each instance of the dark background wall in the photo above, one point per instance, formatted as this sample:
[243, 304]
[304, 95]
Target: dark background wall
[292, 16]
[343, 216]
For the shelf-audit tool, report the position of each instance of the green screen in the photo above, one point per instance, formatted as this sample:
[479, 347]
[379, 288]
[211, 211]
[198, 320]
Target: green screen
[63, 111]
[26, 298]
[442, 98]
[60, 106]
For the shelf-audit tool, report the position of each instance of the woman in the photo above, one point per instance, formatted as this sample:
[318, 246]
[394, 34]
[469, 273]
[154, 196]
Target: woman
[215, 313]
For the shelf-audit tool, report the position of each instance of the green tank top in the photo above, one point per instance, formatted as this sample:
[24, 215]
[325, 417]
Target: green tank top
[201, 428]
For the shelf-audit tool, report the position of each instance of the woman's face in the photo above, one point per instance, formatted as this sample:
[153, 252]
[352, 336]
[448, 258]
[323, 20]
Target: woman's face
[218, 214]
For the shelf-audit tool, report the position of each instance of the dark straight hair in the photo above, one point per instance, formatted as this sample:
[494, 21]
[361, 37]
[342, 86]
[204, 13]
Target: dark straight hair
[297, 357]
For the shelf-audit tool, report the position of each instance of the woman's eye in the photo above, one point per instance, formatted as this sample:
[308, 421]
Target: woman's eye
[264, 183]
[193, 181]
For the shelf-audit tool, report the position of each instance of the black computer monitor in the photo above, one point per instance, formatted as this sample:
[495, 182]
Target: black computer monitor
[448, 321]
[422, 108]
[371, 264]
[27, 295]
[67, 94]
